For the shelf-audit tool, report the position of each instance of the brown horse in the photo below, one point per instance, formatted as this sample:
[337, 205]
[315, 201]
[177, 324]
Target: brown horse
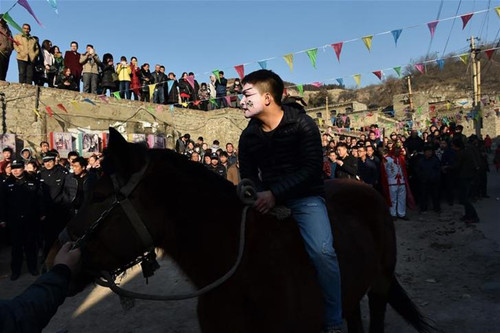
[6, 47]
[194, 216]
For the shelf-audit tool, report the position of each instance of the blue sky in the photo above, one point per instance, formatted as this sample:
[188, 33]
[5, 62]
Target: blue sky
[201, 36]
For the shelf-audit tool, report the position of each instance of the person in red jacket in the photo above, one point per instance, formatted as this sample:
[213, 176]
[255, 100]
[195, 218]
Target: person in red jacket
[72, 61]
[135, 81]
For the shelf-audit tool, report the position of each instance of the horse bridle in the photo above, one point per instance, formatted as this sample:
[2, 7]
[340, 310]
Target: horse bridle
[148, 258]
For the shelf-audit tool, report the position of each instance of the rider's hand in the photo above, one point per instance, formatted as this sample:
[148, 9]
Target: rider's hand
[68, 257]
[265, 202]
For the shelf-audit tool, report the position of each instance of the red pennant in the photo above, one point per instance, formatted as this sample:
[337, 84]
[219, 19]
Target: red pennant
[420, 68]
[432, 108]
[49, 111]
[432, 27]
[337, 47]
[317, 84]
[190, 79]
[378, 74]
[11, 39]
[60, 106]
[489, 53]
[240, 69]
[228, 100]
[196, 103]
[465, 19]
[104, 98]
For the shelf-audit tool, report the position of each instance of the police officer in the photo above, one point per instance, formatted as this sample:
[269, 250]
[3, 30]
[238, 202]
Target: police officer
[216, 167]
[22, 209]
[53, 177]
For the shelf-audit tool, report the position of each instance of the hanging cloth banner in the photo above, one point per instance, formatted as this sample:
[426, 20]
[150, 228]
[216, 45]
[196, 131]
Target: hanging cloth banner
[104, 98]
[75, 105]
[263, 64]
[26, 5]
[432, 27]
[465, 58]
[498, 11]
[357, 78]
[440, 63]
[152, 89]
[9, 20]
[300, 88]
[190, 79]
[312, 53]
[316, 84]
[36, 112]
[170, 84]
[289, 60]
[340, 81]
[465, 19]
[61, 106]
[368, 42]
[117, 95]
[378, 74]
[49, 111]
[240, 69]
[216, 73]
[420, 68]
[228, 100]
[337, 47]
[396, 34]
[88, 101]
[489, 53]
[397, 70]
[53, 4]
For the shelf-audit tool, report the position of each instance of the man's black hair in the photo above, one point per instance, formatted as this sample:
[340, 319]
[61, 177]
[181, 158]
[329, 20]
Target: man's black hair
[266, 81]
[191, 73]
[8, 149]
[92, 46]
[187, 136]
[73, 153]
[223, 153]
[221, 72]
[342, 144]
[200, 138]
[216, 142]
[73, 42]
[41, 143]
[82, 161]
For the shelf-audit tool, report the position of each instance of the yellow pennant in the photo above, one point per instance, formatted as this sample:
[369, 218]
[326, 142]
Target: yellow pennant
[36, 112]
[289, 60]
[151, 91]
[75, 105]
[184, 104]
[357, 78]
[498, 11]
[448, 105]
[368, 41]
[465, 58]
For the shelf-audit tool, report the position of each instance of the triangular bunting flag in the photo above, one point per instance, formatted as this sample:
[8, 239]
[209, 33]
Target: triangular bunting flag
[396, 34]
[498, 11]
[357, 78]
[53, 4]
[214, 102]
[448, 105]
[440, 63]
[61, 106]
[184, 104]
[289, 60]
[228, 100]
[196, 103]
[117, 95]
[190, 79]
[337, 47]
[13, 24]
[216, 73]
[153, 86]
[36, 112]
[465, 58]
[432, 27]
[368, 41]
[317, 84]
[240, 96]
[159, 108]
[49, 111]
[171, 108]
[263, 64]
[104, 98]
[489, 53]
[240, 69]
[75, 105]
[397, 70]
[465, 19]
[419, 110]
[378, 74]
[170, 84]
[340, 81]
[300, 88]
[285, 92]
[312, 53]
[150, 108]
[26, 5]
[88, 101]
[420, 68]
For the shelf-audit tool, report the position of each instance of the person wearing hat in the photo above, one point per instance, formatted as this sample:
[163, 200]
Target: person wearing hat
[26, 155]
[7, 157]
[216, 167]
[53, 177]
[22, 209]
[428, 172]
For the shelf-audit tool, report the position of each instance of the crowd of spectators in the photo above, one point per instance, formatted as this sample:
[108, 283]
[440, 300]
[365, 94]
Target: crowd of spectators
[44, 64]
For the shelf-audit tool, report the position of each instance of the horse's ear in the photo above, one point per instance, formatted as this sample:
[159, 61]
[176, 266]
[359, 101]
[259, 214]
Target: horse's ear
[116, 141]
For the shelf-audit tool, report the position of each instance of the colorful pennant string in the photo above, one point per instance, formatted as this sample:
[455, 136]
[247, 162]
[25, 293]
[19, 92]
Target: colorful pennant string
[152, 90]
[465, 58]
[378, 74]
[337, 47]
[8, 19]
[263, 64]
[61, 107]
[240, 69]
[300, 88]
[368, 42]
[26, 5]
[340, 81]
[357, 78]
[397, 70]
[289, 60]
[420, 68]
[312, 54]
[396, 33]
[465, 19]
[440, 63]
[432, 27]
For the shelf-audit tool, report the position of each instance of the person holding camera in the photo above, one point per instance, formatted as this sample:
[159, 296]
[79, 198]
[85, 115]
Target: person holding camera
[90, 71]
[124, 71]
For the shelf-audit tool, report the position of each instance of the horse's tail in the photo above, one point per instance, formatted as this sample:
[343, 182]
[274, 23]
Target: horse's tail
[402, 304]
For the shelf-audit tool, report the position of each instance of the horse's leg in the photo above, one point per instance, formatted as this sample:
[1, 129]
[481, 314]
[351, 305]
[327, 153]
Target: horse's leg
[378, 303]
[354, 322]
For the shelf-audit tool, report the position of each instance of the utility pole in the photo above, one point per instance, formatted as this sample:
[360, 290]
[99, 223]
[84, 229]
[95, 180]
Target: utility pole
[476, 81]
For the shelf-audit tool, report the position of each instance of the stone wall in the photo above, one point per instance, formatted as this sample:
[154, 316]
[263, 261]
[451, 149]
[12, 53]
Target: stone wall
[87, 112]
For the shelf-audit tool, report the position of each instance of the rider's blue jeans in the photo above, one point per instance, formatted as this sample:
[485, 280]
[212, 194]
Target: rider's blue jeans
[314, 224]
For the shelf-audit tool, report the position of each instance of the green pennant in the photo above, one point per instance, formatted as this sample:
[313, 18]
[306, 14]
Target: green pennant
[214, 102]
[301, 89]
[419, 110]
[312, 53]
[397, 70]
[150, 109]
[9, 20]
[117, 95]
[216, 73]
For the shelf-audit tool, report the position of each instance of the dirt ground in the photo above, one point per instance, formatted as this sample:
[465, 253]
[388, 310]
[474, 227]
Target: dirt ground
[451, 271]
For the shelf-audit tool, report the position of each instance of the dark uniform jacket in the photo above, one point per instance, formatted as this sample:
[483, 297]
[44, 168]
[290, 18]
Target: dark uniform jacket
[347, 170]
[21, 200]
[368, 171]
[31, 311]
[53, 184]
[218, 169]
[77, 189]
[288, 161]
